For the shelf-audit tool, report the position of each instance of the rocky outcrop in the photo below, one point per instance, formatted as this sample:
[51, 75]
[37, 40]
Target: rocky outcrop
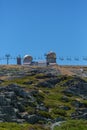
[18, 104]
[51, 82]
[14, 101]
[76, 86]
[79, 89]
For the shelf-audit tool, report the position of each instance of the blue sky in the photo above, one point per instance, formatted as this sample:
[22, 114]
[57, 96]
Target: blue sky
[37, 26]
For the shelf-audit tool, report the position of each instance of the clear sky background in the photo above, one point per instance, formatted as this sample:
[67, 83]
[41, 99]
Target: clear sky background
[36, 27]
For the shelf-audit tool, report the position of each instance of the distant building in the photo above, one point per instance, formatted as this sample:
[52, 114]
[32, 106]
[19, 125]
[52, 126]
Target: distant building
[42, 63]
[18, 60]
[51, 58]
[27, 60]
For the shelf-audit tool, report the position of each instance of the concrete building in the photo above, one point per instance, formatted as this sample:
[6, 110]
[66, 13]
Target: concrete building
[42, 63]
[18, 60]
[51, 58]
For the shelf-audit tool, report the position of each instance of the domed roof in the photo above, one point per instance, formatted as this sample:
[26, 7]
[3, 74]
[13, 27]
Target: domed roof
[51, 54]
[26, 56]
[27, 59]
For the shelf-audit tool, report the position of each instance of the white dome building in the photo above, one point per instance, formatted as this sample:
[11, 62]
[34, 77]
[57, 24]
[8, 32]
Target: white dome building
[27, 60]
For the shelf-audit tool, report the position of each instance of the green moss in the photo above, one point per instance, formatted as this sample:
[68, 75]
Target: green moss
[12, 126]
[30, 110]
[73, 125]
[15, 126]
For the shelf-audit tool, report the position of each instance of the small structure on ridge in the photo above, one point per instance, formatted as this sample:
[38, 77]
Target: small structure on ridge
[27, 60]
[51, 58]
[19, 60]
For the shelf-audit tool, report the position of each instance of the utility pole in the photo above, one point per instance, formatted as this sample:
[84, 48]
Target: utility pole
[7, 58]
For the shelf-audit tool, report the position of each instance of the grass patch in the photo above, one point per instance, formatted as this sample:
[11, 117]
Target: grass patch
[15, 126]
[73, 125]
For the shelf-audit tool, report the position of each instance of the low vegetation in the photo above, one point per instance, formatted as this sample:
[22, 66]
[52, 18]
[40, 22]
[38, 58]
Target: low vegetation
[56, 104]
[73, 125]
[14, 126]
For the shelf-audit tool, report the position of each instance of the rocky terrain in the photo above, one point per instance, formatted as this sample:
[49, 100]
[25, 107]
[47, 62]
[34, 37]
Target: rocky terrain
[43, 96]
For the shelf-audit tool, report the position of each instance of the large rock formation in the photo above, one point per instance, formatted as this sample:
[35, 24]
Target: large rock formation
[14, 101]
